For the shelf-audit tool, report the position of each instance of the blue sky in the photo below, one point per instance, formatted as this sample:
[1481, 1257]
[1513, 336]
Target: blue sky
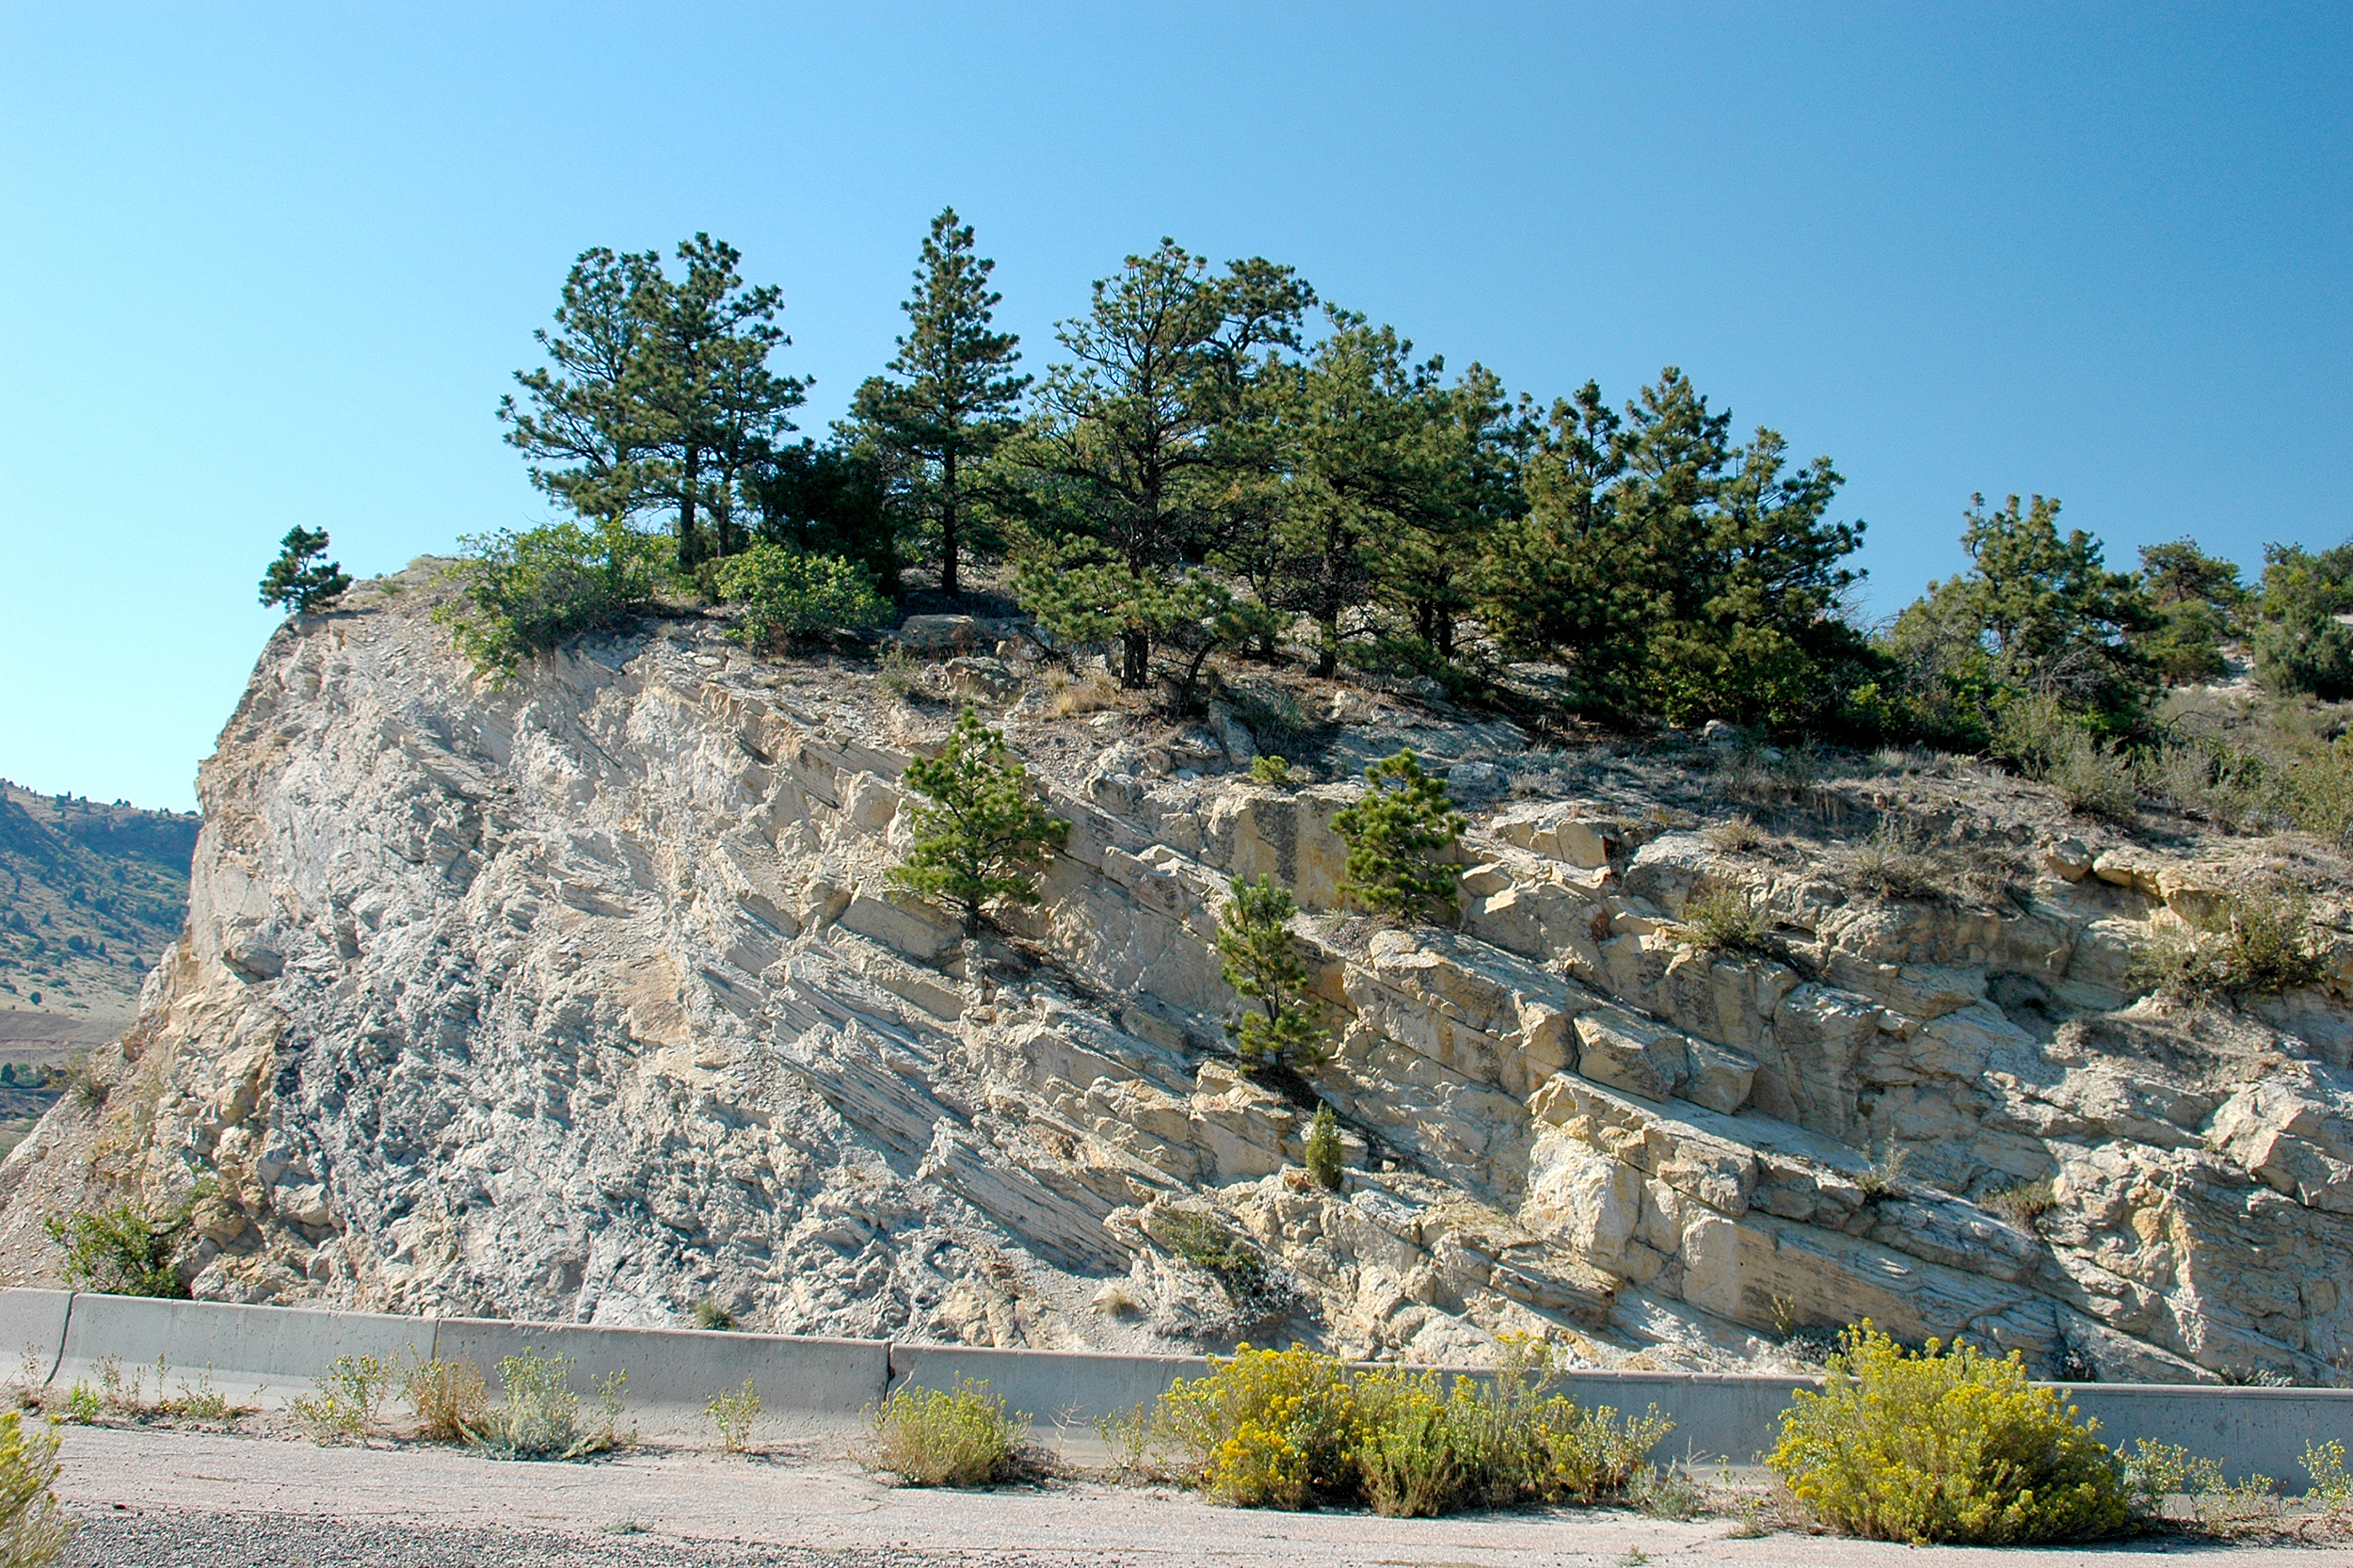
[266, 266]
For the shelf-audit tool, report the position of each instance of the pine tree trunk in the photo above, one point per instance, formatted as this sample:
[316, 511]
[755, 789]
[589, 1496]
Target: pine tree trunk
[948, 524]
[1135, 670]
[687, 556]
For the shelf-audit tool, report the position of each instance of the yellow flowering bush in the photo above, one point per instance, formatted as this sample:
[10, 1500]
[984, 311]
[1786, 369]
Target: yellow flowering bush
[1288, 1428]
[1946, 1446]
[33, 1527]
[1266, 1429]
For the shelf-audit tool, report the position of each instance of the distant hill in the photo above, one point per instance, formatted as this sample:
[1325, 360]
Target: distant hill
[91, 896]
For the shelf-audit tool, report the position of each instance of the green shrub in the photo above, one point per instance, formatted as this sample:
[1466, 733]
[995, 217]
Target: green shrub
[1324, 1153]
[2155, 1471]
[2094, 780]
[1205, 1242]
[121, 1250]
[984, 838]
[1265, 1429]
[2265, 945]
[714, 1319]
[82, 1406]
[1946, 1446]
[1271, 770]
[1284, 1027]
[733, 1413]
[787, 594]
[522, 593]
[2310, 656]
[451, 1400]
[1396, 837]
[343, 1406]
[34, 1528]
[1727, 920]
[929, 1437]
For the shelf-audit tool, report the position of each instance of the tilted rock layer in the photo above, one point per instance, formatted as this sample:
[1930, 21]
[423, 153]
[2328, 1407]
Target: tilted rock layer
[585, 998]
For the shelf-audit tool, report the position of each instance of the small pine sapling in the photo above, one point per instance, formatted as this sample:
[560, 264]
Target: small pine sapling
[1323, 1149]
[1280, 1025]
[1395, 836]
[300, 579]
[984, 837]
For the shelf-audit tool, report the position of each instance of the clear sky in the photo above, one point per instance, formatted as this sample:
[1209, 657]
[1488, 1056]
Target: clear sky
[265, 265]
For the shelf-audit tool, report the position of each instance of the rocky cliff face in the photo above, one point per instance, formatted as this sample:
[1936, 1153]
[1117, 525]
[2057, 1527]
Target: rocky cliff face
[584, 998]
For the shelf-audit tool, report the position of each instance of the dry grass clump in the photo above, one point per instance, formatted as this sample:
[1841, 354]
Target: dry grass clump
[1736, 835]
[2022, 1204]
[1068, 695]
[934, 1437]
[449, 1398]
[1896, 862]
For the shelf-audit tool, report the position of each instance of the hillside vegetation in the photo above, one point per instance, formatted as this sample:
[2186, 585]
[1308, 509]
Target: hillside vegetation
[94, 894]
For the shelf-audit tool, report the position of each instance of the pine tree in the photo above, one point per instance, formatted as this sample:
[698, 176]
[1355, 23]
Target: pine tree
[581, 424]
[708, 406]
[1284, 1028]
[1144, 428]
[954, 400]
[984, 838]
[299, 578]
[1324, 1151]
[1394, 834]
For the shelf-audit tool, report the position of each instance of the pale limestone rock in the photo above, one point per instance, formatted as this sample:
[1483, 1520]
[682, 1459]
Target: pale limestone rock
[587, 999]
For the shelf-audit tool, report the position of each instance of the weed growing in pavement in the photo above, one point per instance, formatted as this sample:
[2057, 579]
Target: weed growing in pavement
[345, 1406]
[1288, 1428]
[733, 1413]
[538, 1418]
[450, 1398]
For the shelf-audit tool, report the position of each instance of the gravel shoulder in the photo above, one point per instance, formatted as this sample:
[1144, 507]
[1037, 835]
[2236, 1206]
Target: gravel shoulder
[209, 1500]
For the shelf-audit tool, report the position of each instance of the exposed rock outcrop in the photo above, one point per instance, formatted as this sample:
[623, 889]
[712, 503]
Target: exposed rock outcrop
[585, 998]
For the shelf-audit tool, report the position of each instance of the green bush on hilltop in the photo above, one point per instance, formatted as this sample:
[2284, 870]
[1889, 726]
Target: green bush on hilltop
[522, 594]
[787, 595]
[299, 578]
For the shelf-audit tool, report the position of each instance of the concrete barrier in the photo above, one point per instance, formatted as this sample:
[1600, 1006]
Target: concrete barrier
[2261, 1430]
[32, 1325]
[267, 1354]
[252, 1354]
[1058, 1390]
[673, 1373]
